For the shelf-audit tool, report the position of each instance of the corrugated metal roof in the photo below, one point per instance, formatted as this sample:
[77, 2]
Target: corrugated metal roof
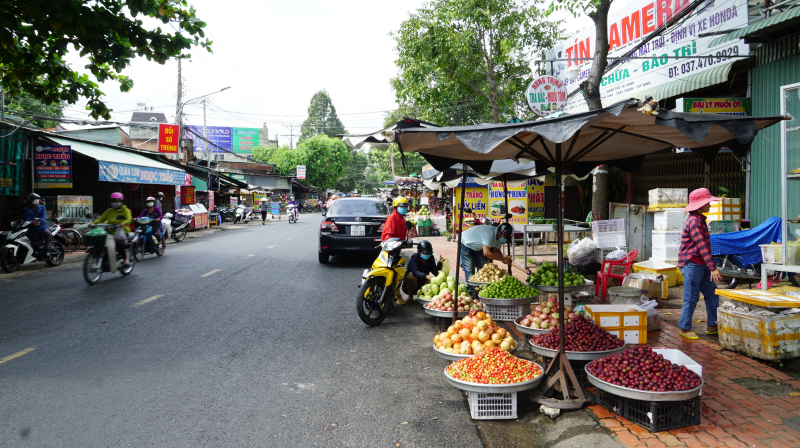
[758, 26]
[700, 80]
[106, 154]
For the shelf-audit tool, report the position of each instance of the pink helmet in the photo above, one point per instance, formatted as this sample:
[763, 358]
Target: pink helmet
[117, 195]
[150, 198]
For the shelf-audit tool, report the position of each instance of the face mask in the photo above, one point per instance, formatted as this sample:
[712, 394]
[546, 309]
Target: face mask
[150, 204]
[424, 257]
[502, 240]
[402, 210]
[116, 204]
[35, 202]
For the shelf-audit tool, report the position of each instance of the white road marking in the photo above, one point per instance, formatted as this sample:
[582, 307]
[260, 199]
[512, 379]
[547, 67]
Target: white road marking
[210, 273]
[147, 300]
[287, 239]
[270, 247]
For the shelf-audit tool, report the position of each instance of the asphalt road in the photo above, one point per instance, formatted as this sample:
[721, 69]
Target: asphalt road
[240, 338]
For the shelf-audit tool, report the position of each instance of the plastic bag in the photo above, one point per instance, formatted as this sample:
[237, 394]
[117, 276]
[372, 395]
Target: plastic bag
[646, 304]
[618, 254]
[582, 252]
[120, 236]
[445, 265]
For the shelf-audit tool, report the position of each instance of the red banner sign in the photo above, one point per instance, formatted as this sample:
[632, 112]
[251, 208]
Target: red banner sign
[187, 195]
[168, 138]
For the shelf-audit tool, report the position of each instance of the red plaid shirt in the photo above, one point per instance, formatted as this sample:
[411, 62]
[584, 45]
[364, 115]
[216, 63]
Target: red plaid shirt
[695, 241]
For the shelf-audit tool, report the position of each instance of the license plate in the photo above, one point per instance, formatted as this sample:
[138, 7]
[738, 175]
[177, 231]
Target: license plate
[357, 231]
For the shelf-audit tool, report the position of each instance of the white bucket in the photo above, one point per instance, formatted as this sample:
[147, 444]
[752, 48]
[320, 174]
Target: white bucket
[624, 295]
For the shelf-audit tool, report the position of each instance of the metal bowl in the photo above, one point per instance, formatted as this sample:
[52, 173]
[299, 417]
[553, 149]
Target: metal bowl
[574, 356]
[457, 357]
[422, 302]
[445, 314]
[508, 302]
[644, 395]
[471, 283]
[543, 288]
[495, 388]
[528, 330]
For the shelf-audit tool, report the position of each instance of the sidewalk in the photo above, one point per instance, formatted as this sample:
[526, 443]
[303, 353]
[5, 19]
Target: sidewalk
[745, 403]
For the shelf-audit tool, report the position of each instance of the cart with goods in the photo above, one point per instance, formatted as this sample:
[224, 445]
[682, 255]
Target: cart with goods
[664, 396]
[493, 389]
[508, 298]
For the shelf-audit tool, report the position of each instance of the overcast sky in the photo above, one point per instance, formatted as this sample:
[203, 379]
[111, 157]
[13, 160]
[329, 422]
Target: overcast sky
[275, 54]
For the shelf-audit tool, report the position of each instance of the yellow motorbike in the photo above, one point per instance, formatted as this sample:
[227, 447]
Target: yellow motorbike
[381, 283]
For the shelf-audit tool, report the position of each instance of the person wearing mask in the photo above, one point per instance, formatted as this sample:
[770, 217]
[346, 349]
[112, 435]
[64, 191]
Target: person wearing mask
[294, 210]
[159, 197]
[421, 269]
[120, 216]
[481, 242]
[153, 212]
[263, 207]
[697, 265]
[36, 213]
[395, 225]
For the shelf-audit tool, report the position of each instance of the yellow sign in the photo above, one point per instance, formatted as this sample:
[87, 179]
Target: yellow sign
[475, 199]
[257, 198]
[536, 196]
[517, 201]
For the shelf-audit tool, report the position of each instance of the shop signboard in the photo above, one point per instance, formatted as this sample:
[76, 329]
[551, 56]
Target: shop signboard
[667, 55]
[275, 208]
[74, 208]
[517, 201]
[245, 139]
[187, 179]
[476, 198]
[536, 196]
[738, 107]
[187, 195]
[301, 171]
[168, 138]
[53, 166]
[239, 177]
[546, 95]
[234, 201]
[257, 198]
[219, 138]
[133, 174]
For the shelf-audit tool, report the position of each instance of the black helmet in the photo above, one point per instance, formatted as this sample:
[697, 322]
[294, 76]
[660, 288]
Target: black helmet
[425, 247]
[506, 229]
[32, 197]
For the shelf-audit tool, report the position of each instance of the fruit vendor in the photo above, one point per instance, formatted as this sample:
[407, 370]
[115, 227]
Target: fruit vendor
[697, 265]
[395, 226]
[481, 242]
[421, 269]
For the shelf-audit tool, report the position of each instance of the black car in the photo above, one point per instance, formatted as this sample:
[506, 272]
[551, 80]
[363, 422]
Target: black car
[352, 225]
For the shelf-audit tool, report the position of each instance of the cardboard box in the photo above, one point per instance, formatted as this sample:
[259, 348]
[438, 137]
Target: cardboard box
[627, 322]
[670, 271]
[653, 320]
[654, 286]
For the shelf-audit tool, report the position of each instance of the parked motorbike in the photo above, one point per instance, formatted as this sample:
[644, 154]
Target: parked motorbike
[139, 242]
[227, 214]
[382, 283]
[175, 228]
[102, 255]
[243, 214]
[291, 210]
[18, 249]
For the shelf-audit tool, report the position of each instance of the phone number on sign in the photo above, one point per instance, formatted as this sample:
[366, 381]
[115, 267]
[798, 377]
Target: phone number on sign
[697, 64]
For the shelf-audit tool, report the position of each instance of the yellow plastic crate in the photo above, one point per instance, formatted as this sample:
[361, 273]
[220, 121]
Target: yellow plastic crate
[627, 322]
[659, 267]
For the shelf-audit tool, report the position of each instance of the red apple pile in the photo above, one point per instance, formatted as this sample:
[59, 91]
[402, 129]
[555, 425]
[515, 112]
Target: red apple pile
[643, 369]
[581, 335]
[546, 316]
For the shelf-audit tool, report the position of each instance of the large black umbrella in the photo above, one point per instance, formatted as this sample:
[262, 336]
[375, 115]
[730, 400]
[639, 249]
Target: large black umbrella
[619, 134]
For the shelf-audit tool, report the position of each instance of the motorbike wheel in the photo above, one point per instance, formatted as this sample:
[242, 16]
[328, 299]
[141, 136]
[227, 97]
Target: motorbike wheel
[371, 309]
[8, 261]
[55, 255]
[127, 272]
[92, 270]
[792, 279]
[728, 265]
[179, 235]
[160, 252]
[138, 251]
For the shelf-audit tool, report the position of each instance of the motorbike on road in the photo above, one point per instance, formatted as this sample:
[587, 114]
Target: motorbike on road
[102, 254]
[175, 228]
[18, 249]
[139, 242]
[291, 210]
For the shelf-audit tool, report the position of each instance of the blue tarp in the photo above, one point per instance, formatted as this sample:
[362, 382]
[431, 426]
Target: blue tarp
[745, 243]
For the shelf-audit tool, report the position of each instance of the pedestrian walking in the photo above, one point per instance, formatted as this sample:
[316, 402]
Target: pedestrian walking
[264, 208]
[697, 265]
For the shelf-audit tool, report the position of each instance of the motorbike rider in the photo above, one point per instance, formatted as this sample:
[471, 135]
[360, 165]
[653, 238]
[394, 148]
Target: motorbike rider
[395, 226]
[294, 210]
[420, 267]
[481, 242]
[159, 197]
[36, 213]
[152, 211]
[120, 216]
[264, 208]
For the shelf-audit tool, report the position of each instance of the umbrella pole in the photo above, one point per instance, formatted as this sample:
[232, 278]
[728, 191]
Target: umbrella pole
[505, 194]
[559, 370]
[460, 234]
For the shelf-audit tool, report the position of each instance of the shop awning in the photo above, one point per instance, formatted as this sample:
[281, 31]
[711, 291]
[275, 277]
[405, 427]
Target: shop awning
[773, 25]
[710, 77]
[116, 165]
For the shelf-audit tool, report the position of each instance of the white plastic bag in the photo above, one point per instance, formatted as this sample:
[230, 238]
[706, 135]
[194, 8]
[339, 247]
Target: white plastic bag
[582, 252]
[646, 304]
[618, 254]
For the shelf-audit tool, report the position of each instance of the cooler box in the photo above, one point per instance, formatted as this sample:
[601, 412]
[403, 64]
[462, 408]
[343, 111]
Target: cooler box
[668, 197]
[627, 322]
[661, 268]
[772, 338]
[669, 220]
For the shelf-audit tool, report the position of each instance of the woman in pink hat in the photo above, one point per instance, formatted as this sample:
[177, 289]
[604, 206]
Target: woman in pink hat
[697, 265]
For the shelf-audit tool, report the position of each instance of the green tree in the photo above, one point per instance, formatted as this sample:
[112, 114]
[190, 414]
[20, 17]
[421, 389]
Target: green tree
[35, 36]
[470, 55]
[24, 104]
[324, 157]
[322, 119]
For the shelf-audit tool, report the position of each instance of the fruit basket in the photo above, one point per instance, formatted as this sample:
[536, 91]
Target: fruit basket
[574, 356]
[644, 395]
[494, 388]
[456, 357]
[528, 330]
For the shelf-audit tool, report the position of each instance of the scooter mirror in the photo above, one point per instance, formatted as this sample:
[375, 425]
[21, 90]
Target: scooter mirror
[89, 216]
[408, 225]
[324, 214]
[467, 210]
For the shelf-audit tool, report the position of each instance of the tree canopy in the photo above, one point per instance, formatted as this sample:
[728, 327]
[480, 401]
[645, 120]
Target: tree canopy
[322, 119]
[23, 103]
[35, 36]
[324, 158]
[470, 58]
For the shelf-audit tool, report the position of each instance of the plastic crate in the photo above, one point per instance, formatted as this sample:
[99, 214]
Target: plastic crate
[608, 226]
[717, 227]
[95, 240]
[600, 254]
[612, 402]
[656, 416]
[665, 252]
[585, 270]
[444, 323]
[666, 237]
[424, 231]
[506, 313]
[492, 406]
[773, 254]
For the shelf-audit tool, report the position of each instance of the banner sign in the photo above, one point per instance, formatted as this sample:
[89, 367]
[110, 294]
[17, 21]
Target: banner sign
[301, 171]
[168, 138]
[239, 177]
[74, 208]
[667, 54]
[257, 198]
[187, 195]
[536, 196]
[726, 106]
[245, 139]
[53, 166]
[226, 139]
[546, 95]
[517, 201]
[275, 208]
[475, 199]
[133, 174]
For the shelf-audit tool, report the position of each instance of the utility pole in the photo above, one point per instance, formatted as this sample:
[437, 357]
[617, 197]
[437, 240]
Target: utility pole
[2, 104]
[178, 113]
[291, 135]
[205, 146]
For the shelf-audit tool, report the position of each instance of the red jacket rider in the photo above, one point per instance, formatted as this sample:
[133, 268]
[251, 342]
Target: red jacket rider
[395, 226]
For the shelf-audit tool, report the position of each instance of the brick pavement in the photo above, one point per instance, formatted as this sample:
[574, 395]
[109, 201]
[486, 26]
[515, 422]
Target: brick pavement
[732, 415]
